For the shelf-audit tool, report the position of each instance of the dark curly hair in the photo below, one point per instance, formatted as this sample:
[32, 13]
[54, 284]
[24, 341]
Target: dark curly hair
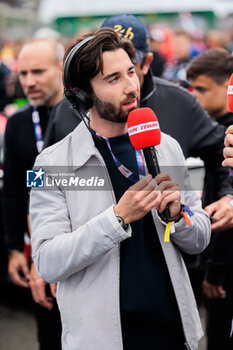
[89, 62]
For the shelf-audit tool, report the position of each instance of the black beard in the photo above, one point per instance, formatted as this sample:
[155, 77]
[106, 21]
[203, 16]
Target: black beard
[108, 111]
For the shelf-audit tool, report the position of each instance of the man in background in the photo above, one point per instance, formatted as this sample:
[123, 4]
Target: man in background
[40, 74]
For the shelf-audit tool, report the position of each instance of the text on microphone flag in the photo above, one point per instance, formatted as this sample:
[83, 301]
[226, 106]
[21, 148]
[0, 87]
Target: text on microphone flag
[143, 127]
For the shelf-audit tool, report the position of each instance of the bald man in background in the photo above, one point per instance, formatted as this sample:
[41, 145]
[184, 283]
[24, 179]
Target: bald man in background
[40, 74]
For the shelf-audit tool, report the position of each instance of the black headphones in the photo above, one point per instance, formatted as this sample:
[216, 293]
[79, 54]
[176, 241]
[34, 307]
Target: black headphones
[79, 98]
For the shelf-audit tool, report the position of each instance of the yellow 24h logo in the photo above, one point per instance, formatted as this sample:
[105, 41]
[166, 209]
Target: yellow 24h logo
[127, 34]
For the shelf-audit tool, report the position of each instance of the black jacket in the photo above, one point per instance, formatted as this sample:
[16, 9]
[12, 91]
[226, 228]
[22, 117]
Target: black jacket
[20, 153]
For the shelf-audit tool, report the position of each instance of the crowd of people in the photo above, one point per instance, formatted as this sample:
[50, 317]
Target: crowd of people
[100, 273]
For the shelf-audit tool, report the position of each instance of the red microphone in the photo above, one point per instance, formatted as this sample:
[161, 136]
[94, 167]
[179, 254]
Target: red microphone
[143, 128]
[144, 133]
[230, 94]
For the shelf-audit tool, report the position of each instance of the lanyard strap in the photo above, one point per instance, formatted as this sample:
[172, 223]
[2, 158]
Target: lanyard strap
[122, 168]
[37, 129]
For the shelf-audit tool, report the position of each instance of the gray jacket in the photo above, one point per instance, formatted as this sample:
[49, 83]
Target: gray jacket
[75, 242]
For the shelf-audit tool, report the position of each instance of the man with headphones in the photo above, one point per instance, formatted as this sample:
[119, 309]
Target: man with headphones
[119, 285]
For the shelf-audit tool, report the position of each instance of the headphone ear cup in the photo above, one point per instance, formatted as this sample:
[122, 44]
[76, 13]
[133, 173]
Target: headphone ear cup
[70, 95]
[79, 98]
[83, 99]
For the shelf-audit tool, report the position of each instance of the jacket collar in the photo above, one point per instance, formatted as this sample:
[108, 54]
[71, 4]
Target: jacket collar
[148, 87]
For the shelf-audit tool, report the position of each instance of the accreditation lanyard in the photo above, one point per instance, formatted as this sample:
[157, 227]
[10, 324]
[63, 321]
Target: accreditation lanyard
[122, 168]
[37, 129]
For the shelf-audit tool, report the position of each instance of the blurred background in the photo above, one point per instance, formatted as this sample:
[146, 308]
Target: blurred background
[209, 23]
[21, 18]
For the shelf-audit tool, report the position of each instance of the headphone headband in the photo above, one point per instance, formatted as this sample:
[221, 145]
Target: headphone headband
[69, 58]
